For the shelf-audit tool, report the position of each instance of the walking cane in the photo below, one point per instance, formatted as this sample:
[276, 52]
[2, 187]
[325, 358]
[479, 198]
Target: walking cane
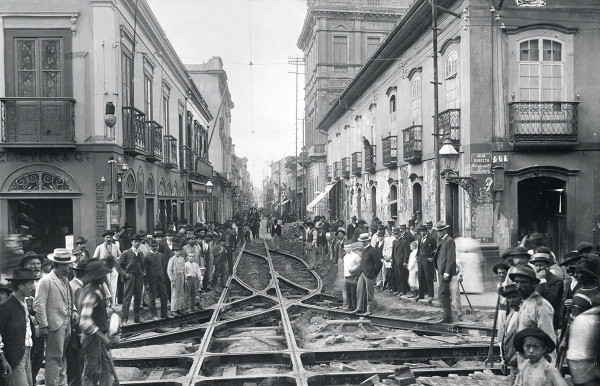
[466, 297]
[489, 362]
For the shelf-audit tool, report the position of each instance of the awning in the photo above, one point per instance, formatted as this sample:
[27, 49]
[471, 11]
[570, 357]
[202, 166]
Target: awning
[321, 196]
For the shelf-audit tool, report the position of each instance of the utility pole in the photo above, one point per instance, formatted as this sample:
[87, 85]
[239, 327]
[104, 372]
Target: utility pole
[436, 107]
[296, 61]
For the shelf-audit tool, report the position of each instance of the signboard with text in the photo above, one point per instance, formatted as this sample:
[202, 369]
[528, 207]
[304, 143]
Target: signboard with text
[481, 163]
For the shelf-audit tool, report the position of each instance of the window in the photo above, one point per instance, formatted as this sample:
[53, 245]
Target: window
[417, 199]
[541, 74]
[415, 100]
[393, 108]
[374, 200]
[393, 199]
[372, 45]
[340, 49]
[148, 96]
[126, 81]
[39, 64]
[165, 123]
[451, 80]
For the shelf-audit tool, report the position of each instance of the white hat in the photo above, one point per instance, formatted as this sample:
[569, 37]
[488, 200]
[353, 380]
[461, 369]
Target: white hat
[62, 255]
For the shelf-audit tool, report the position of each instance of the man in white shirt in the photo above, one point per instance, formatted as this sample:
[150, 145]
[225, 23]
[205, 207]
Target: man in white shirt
[110, 252]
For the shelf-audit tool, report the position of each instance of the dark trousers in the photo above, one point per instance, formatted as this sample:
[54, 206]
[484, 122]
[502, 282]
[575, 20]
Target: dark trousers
[426, 276]
[74, 361]
[167, 285]
[444, 297]
[37, 355]
[402, 278]
[350, 288]
[220, 270]
[133, 288]
[388, 281]
[158, 287]
[229, 252]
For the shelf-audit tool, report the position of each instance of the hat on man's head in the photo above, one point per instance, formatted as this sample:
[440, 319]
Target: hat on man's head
[137, 237]
[159, 234]
[587, 266]
[80, 240]
[177, 247]
[373, 226]
[364, 237]
[534, 332]
[520, 251]
[507, 253]
[440, 225]
[96, 269]
[81, 265]
[571, 258]
[22, 274]
[341, 230]
[540, 257]
[502, 265]
[422, 228]
[429, 222]
[402, 227]
[46, 262]
[170, 232]
[391, 222]
[361, 222]
[396, 230]
[30, 256]
[536, 238]
[62, 256]
[411, 222]
[108, 232]
[508, 290]
[585, 247]
[353, 218]
[127, 225]
[357, 245]
[524, 270]
[153, 243]
[380, 227]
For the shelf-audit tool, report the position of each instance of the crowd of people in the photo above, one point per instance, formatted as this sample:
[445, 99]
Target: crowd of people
[61, 309]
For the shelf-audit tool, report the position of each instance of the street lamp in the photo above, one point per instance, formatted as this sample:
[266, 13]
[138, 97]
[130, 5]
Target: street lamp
[449, 159]
[209, 189]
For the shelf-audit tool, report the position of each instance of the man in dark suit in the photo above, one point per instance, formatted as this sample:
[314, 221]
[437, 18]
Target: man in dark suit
[446, 266]
[154, 271]
[550, 285]
[401, 253]
[425, 252]
[351, 227]
[370, 264]
[131, 268]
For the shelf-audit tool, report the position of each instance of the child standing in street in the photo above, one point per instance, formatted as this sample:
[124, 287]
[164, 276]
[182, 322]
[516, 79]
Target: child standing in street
[193, 278]
[176, 273]
[535, 345]
[413, 270]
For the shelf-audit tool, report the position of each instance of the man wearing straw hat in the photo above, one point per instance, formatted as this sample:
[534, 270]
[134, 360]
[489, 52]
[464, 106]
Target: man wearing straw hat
[16, 331]
[54, 308]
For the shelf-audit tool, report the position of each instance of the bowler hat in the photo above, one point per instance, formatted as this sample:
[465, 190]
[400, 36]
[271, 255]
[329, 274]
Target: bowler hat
[585, 247]
[159, 234]
[364, 237]
[571, 258]
[587, 266]
[536, 238]
[80, 240]
[440, 225]
[396, 230]
[108, 233]
[507, 253]
[373, 226]
[177, 247]
[137, 237]
[501, 264]
[62, 256]
[391, 222]
[509, 289]
[541, 258]
[428, 222]
[81, 265]
[524, 270]
[153, 243]
[534, 332]
[402, 227]
[30, 256]
[22, 274]
[422, 228]
[6, 288]
[353, 218]
[46, 262]
[520, 251]
[96, 270]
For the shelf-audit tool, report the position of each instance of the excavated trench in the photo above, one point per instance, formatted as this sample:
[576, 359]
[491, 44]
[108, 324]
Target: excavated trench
[272, 326]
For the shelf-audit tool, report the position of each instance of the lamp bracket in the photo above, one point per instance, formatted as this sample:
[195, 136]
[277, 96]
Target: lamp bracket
[467, 183]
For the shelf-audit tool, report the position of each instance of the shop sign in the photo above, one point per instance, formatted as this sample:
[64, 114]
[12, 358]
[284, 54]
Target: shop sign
[11, 158]
[481, 163]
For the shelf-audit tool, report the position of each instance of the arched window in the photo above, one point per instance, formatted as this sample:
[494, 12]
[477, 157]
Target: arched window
[394, 198]
[541, 70]
[415, 100]
[393, 108]
[374, 200]
[451, 80]
[417, 206]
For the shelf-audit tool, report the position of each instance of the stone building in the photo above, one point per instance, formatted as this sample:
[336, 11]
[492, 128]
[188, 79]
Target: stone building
[516, 105]
[66, 65]
[337, 39]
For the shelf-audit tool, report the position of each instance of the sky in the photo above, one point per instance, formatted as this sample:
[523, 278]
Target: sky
[239, 31]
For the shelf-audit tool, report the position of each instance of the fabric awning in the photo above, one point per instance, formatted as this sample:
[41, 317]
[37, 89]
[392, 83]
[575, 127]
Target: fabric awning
[321, 196]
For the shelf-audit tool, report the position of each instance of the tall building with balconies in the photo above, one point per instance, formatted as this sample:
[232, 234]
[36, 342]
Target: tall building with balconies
[67, 65]
[337, 39]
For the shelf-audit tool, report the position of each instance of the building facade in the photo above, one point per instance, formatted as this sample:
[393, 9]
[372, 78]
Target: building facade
[517, 111]
[70, 168]
[337, 39]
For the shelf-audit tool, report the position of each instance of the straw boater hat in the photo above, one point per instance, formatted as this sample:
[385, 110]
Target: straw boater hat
[541, 257]
[364, 237]
[62, 256]
[440, 225]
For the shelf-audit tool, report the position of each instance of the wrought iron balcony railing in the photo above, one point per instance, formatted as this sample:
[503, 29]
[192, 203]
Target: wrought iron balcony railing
[337, 170]
[155, 141]
[37, 122]
[170, 152]
[346, 167]
[134, 131]
[413, 144]
[370, 158]
[449, 126]
[357, 163]
[543, 124]
[389, 151]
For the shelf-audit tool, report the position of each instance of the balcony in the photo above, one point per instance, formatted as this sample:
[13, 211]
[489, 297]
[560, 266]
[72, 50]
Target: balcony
[357, 163]
[317, 151]
[337, 170]
[185, 159]
[170, 152]
[346, 167]
[413, 144]
[134, 131]
[370, 158]
[328, 173]
[37, 122]
[204, 168]
[449, 126]
[155, 141]
[389, 151]
[543, 125]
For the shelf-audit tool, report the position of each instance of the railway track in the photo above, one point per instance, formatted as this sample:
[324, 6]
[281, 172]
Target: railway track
[272, 326]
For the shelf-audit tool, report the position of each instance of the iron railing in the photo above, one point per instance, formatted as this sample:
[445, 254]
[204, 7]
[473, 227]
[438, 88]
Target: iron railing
[155, 141]
[389, 151]
[412, 143]
[346, 167]
[32, 121]
[357, 163]
[134, 131]
[170, 152]
[543, 121]
[370, 158]
[449, 126]
[337, 170]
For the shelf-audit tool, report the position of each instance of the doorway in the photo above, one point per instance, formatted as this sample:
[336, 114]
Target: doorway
[453, 209]
[49, 221]
[417, 199]
[150, 215]
[130, 216]
[542, 208]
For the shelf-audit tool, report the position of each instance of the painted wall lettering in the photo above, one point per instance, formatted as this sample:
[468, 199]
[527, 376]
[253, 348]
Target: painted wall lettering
[11, 158]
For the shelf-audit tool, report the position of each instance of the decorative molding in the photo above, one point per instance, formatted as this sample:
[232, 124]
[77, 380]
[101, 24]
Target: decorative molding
[448, 43]
[392, 181]
[414, 71]
[150, 185]
[372, 106]
[161, 188]
[390, 90]
[357, 118]
[543, 170]
[73, 16]
[40, 181]
[541, 26]
[467, 183]
[372, 183]
[130, 185]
